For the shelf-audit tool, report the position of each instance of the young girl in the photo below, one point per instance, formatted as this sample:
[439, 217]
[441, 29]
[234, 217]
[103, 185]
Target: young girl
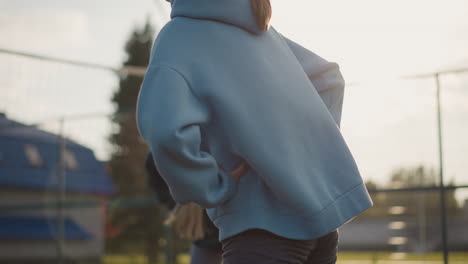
[225, 91]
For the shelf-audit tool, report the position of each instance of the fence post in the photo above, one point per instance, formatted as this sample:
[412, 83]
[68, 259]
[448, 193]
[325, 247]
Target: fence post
[443, 210]
[60, 194]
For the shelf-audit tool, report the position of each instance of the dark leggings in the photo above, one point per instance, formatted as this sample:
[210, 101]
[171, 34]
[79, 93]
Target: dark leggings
[200, 255]
[262, 247]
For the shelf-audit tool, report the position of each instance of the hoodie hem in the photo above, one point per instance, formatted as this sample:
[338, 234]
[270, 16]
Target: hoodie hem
[295, 226]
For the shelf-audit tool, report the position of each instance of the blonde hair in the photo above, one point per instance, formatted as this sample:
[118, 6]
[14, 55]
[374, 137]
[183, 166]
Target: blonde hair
[262, 12]
[189, 222]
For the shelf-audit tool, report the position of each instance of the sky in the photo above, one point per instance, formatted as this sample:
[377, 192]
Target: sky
[388, 123]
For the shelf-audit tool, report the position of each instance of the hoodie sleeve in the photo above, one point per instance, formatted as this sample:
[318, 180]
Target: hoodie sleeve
[325, 76]
[170, 118]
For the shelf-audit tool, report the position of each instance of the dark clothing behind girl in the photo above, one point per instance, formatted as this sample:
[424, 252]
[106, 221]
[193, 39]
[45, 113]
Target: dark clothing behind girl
[159, 186]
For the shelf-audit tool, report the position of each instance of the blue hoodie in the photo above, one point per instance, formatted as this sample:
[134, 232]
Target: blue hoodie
[217, 93]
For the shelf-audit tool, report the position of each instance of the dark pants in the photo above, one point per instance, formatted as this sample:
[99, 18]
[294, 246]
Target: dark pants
[200, 255]
[258, 246]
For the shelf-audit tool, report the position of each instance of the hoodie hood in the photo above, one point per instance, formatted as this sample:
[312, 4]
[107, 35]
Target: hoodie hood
[233, 12]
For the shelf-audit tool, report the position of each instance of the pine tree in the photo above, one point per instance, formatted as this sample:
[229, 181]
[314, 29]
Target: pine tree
[138, 228]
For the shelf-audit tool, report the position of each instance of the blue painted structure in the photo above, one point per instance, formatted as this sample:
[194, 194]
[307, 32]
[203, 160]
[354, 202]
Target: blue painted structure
[17, 172]
[39, 228]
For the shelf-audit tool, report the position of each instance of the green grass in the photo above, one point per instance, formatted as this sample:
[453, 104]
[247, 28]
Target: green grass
[343, 257]
[140, 259]
[433, 256]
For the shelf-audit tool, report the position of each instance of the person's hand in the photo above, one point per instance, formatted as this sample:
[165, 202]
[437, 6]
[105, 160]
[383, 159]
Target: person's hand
[239, 171]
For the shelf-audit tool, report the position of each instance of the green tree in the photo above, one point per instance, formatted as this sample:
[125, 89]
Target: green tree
[416, 202]
[138, 228]
[420, 176]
